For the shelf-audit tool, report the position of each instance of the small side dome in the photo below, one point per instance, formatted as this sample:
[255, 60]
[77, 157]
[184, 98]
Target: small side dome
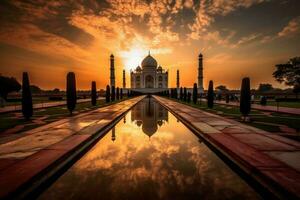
[138, 69]
[159, 69]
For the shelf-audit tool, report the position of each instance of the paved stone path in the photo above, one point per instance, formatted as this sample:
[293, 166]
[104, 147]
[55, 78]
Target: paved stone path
[28, 156]
[294, 111]
[40, 105]
[269, 158]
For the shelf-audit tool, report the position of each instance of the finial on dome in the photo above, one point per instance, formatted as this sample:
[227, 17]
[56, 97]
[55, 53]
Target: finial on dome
[149, 52]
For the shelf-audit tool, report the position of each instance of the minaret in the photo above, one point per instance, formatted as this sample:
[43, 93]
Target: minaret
[200, 74]
[124, 79]
[112, 71]
[177, 80]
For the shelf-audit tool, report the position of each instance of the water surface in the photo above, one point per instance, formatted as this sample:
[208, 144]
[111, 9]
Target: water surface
[149, 155]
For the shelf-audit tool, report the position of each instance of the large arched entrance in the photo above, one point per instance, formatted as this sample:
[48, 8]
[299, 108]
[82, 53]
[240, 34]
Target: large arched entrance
[149, 81]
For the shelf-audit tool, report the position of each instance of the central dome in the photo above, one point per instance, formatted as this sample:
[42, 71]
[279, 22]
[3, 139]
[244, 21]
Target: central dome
[149, 61]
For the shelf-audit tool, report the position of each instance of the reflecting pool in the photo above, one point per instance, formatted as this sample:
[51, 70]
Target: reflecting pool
[149, 155]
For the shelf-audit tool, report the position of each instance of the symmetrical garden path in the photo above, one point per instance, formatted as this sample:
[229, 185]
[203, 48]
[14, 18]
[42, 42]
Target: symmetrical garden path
[23, 159]
[39, 105]
[294, 111]
[271, 160]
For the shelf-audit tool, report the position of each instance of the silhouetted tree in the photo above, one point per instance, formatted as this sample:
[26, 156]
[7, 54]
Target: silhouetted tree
[71, 91]
[184, 94]
[35, 89]
[107, 94]
[118, 93]
[289, 73]
[94, 93]
[222, 88]
[7, 85]
[175, 93]
[113, 93]
[245, 101]
[181, 94]
[189, 97]
[265, 87]
[195, 93]
[121, 93]
[27, 108]
[128, 93]
[210, 95]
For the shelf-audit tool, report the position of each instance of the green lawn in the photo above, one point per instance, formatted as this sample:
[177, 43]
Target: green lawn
[34, 101]
[268, 122]
[285, 104]
[10, 120]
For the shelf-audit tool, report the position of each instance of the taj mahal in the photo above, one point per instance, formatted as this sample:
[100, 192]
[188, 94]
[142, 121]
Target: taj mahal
[150, 77]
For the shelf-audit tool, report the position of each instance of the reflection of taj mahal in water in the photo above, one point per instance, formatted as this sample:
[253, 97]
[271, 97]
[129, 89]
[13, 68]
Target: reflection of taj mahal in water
[149, 115]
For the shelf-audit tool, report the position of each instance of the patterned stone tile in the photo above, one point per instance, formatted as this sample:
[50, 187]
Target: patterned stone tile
[262, 142]
[205, 128]
[291, 158]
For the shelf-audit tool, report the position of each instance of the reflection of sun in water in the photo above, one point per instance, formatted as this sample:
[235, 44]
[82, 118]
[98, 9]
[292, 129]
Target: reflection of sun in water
[132, 58]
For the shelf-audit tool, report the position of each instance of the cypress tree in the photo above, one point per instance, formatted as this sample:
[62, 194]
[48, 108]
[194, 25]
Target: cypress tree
[184, 94]
[118, 93]
[71, 91]
[113, 93]
[107, 94]
[128, 93]
[27, 108]
[94, 93]
[121, 93]
[195, 93]
[245, 101]
[181, 94]
[210, 95]
[189, 97]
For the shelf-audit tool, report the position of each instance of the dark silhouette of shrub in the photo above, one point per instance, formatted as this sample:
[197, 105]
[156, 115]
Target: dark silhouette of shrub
[94, 93]
[107, 94]
[121, 93]
[128, 93]
[118, 93]
[263, 100]
[113, 93]
[27, 108]
[227, 98]
[71, 91]
[210, 95]
[181, 94]
[245, 101]
[189, 97]
[184, 94]
[195, 93]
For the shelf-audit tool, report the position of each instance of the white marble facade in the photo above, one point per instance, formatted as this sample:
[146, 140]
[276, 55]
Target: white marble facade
[149, 75]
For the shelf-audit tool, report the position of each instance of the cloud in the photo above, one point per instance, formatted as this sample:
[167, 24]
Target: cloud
[208, 10]
[291, 29]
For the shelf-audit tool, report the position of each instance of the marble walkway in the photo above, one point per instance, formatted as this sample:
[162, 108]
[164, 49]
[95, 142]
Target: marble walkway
[268, 158]
[31, 155]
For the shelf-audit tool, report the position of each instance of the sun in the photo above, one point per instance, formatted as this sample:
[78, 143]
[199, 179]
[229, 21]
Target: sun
[132, 58]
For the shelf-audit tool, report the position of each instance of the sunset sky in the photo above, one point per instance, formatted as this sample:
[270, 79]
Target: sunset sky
[236, 37]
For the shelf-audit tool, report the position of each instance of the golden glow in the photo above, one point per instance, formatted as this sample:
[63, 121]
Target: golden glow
[132, 58]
